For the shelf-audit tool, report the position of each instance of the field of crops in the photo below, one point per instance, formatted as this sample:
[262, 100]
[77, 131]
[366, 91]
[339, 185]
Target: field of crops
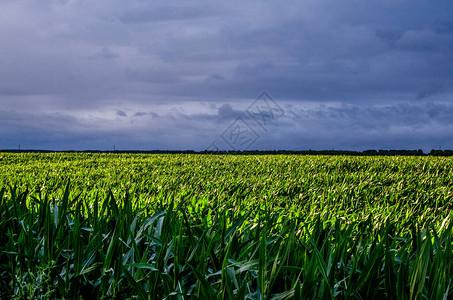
[87, 226]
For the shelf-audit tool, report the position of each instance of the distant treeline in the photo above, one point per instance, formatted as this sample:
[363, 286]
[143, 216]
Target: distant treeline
[373, 152]
[403, 152]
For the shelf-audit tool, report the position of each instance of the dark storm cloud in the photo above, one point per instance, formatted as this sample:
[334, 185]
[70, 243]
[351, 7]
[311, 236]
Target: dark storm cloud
[224, 113]
[145, 13]
[162, 75]
[121, 113]
[142, 113]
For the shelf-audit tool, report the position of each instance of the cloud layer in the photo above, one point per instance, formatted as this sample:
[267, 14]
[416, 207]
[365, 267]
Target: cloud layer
[149, 75]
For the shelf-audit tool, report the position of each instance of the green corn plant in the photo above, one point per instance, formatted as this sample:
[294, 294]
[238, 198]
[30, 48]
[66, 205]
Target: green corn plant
[95, 226]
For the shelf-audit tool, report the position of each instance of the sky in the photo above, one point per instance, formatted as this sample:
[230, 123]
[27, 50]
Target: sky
[227, 75]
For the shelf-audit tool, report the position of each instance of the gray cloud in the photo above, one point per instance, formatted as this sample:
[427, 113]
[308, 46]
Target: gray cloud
[121, 113]
[339, 126]
[226, 112]
[142, 113]
[386, 65]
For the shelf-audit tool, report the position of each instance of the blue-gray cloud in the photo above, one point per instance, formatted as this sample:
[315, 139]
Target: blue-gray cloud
[173, 75]
[121, 113]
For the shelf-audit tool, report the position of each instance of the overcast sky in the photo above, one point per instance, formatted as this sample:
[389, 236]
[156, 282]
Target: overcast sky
[187, 74]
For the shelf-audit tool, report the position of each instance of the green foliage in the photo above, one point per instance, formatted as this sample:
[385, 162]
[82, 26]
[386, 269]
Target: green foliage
[102, 226]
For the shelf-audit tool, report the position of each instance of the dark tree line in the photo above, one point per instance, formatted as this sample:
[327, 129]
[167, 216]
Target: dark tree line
[372, 152]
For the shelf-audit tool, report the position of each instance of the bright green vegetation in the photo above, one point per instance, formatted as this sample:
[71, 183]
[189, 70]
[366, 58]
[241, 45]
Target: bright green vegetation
[192, 226]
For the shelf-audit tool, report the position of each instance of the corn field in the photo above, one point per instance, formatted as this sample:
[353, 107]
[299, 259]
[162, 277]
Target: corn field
[189, 226]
